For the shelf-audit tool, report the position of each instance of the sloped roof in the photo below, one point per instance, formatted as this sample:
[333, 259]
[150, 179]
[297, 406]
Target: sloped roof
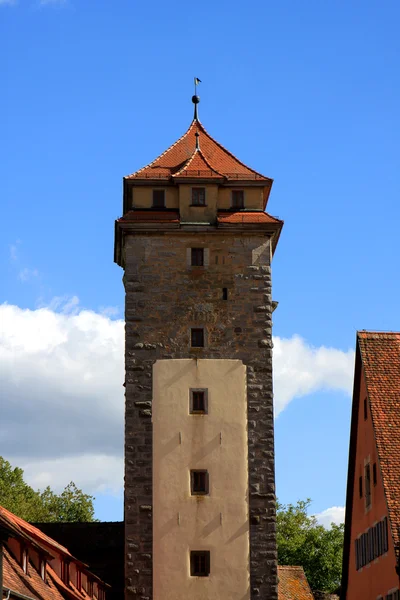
[33, 533]
[247, 217]
[213, 160]
[223, 218]
[31, 584]
[380, 355]
[293, 584]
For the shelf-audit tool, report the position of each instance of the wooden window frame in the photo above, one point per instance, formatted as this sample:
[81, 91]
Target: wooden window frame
[197, 556]
[192, 408]
[197, 257]
[154, 203]
[195, 194]
[193, 332]
[234, 203]
[205, 489]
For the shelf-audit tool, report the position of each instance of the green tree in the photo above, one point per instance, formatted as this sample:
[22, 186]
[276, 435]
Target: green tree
[302, 541]
[46, 506]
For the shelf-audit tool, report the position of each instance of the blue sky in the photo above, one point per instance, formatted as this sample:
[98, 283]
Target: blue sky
[306, 93]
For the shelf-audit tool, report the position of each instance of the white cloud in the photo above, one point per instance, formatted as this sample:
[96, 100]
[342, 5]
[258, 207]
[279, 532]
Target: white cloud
[62, 395]
[335, 514]
[95, 473]
[27, 274]
[301, 369]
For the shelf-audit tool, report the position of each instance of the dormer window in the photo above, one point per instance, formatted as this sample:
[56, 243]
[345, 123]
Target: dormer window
[24, 560]
[158, 198]
[198, 196]
[42, 569]
[237, 199]
[65, 571]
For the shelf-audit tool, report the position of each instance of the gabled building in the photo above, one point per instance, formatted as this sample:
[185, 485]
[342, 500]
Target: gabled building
[33, 566]
[196, 246]
[372, 524]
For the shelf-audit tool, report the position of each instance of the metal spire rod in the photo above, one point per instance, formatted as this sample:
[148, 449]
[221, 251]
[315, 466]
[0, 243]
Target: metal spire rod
[196, 98]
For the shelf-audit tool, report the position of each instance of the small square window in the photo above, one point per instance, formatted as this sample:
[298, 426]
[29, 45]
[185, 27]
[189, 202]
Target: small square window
[198, 402]
[197, 257]
[237, 199]
[158, 198]
[360, 486]
[198, 196]
[198, 482]
[199, 563]
[374, 475]
[365, 409]
[197, 337]
[224, 293]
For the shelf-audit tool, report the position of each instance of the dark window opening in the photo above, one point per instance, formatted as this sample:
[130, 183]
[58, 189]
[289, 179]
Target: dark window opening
[197, 257]
[224, 293]
[198, 482]
[198, 401]
[374, 475]
[371, 544]
[365, 409]
[360, 486]
[198, 196]
[237, 199]
[367, 486]
[158, 198]
[199, 563]
[197, 338]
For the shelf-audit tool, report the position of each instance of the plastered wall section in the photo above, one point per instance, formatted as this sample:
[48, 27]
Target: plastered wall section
[180, 197]
[142, 196]
[217, 442]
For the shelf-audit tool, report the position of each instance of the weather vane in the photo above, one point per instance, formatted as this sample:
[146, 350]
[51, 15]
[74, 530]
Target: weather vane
[196, 98]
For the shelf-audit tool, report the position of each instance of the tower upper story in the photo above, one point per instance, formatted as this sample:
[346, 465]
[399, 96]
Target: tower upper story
[196, 182]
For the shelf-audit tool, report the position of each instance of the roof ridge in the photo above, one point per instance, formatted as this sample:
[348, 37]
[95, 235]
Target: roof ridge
[230, 153]
[165, 151]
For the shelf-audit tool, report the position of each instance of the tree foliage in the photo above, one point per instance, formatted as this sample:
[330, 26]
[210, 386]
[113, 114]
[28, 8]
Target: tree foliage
[42, 506]
[302, 541]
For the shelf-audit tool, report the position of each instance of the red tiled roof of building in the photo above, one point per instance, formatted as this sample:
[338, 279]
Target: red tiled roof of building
[150, 216]
[31, 531]
[247, 217]
[21, 576]
[198, 166]
[380, 354]
[223, 218]
[293, 584]
[219, 160]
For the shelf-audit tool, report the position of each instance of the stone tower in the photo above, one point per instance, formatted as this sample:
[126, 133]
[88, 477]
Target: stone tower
[196, 245]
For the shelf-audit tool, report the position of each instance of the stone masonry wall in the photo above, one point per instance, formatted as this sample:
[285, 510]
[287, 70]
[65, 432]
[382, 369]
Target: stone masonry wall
[164, 298]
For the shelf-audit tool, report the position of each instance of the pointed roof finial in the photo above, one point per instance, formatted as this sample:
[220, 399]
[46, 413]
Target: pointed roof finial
[196, 98]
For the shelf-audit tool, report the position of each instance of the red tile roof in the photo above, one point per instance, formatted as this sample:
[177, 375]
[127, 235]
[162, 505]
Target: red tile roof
[246, 217]
[198, 166]
[223, 218]
[293, 584]
[150, 216]
[212, 160]
[380, 354]
[31, 584]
